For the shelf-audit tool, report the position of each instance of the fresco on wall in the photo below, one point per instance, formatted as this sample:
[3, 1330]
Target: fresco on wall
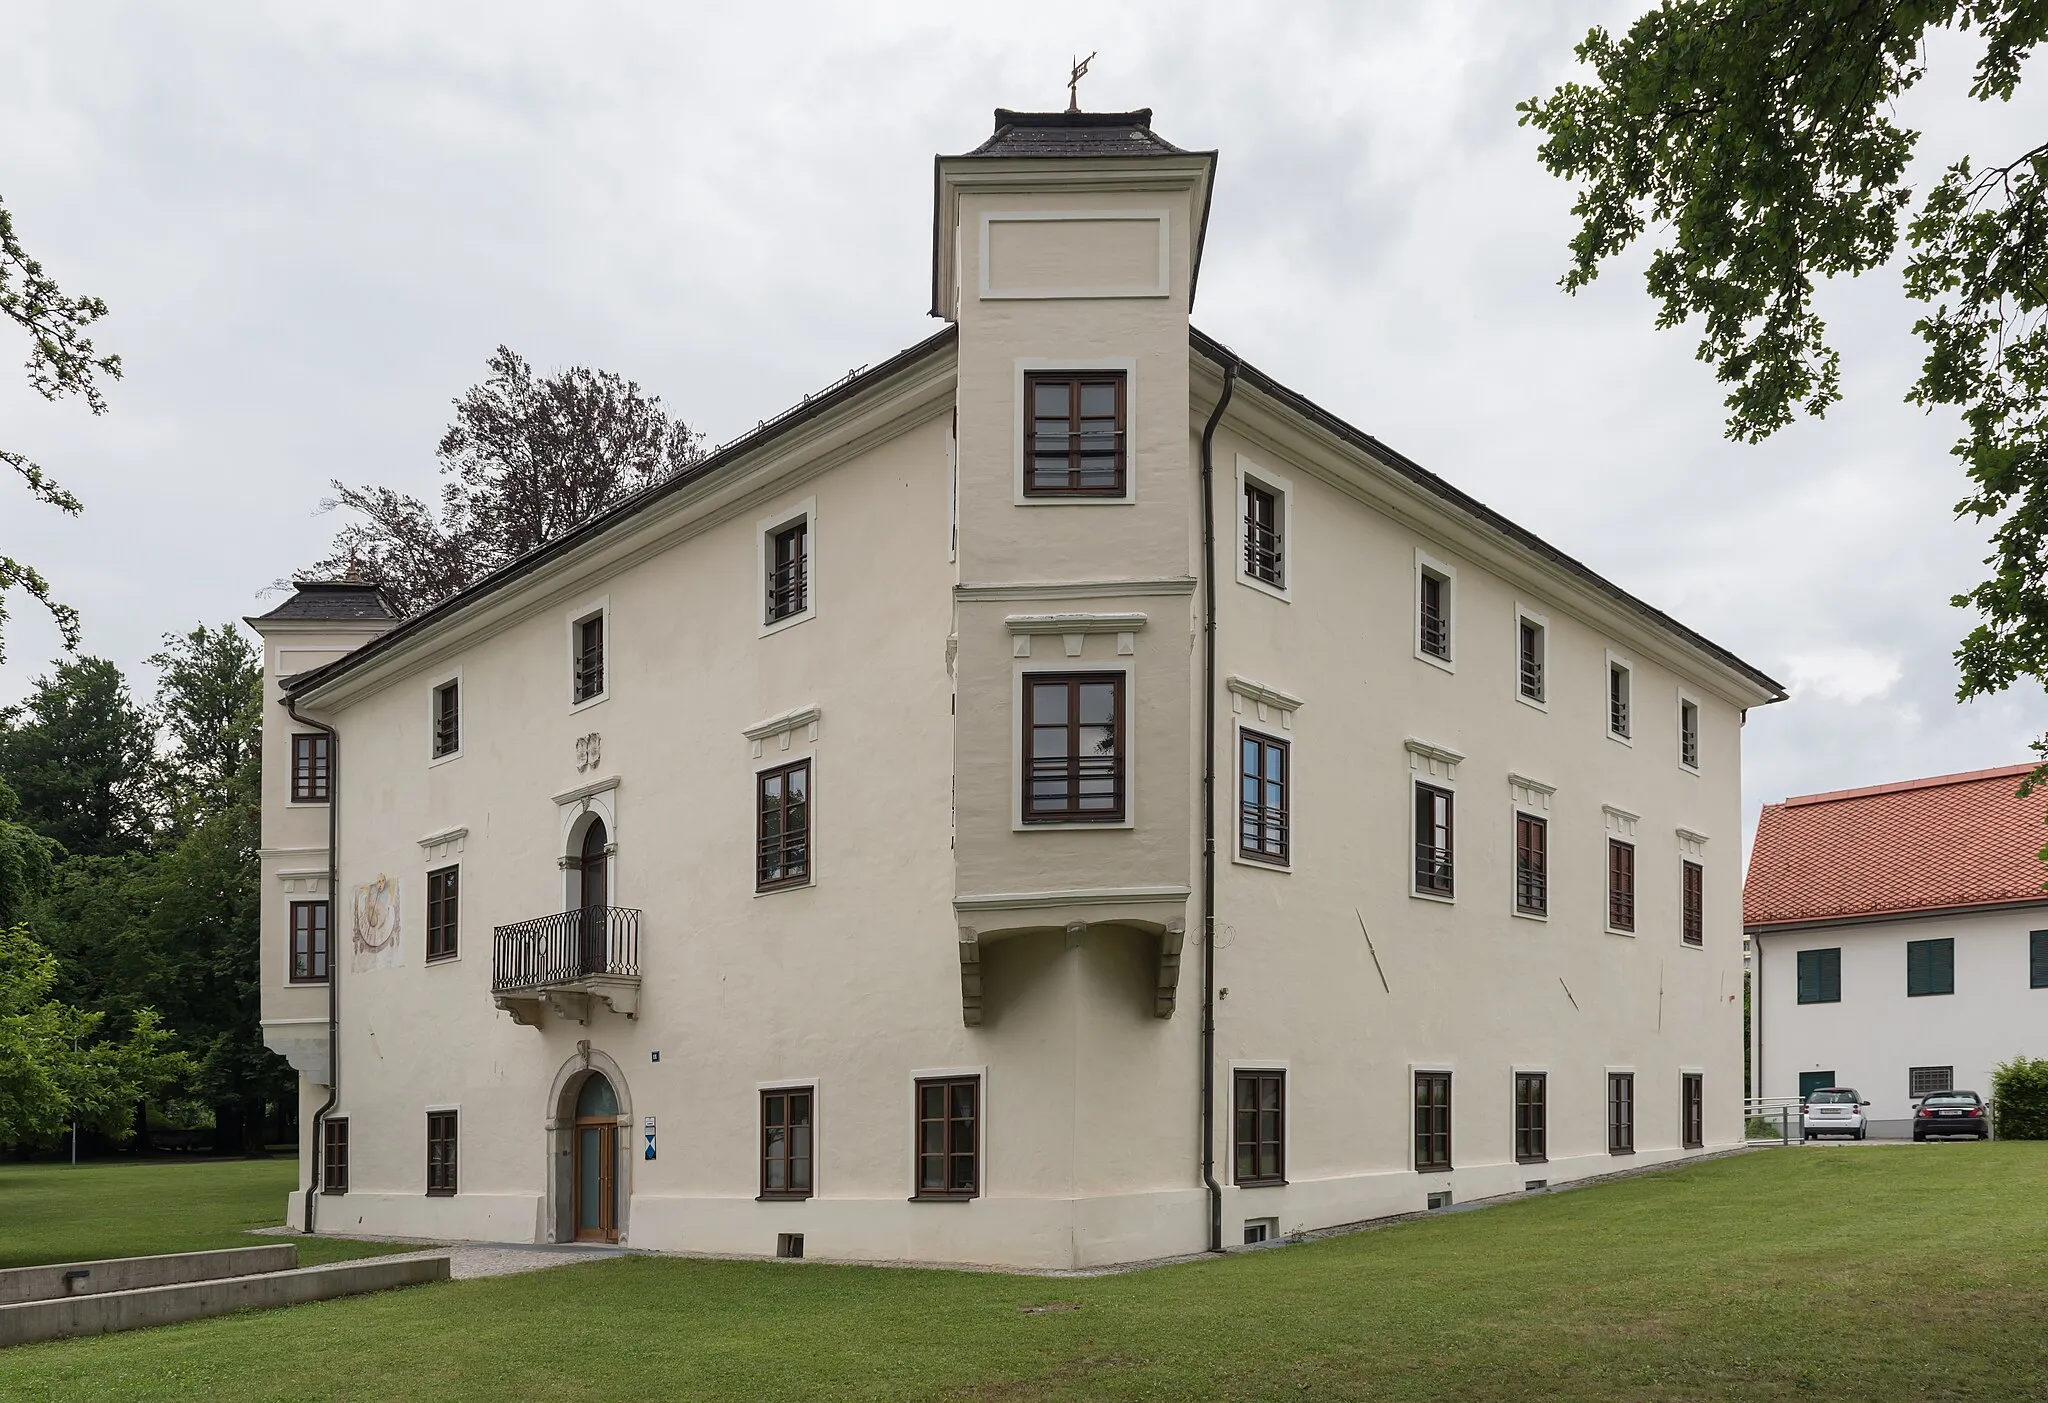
[376, 944]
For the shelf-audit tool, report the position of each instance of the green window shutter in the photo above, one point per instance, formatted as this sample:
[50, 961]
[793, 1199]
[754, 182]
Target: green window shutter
[1809, 976]
[1831, 976]
[2037, 962]
[1942, 959]
[1916, 968]
[1930, 967]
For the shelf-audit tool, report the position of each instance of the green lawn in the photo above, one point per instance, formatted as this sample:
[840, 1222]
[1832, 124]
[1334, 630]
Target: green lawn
[115, 1208]
[1853, 1273]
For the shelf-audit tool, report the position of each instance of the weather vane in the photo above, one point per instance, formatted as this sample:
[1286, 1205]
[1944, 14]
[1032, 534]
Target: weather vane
[1074, 83]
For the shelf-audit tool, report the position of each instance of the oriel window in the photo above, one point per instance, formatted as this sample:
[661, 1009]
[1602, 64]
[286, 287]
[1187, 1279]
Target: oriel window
[1074, 435]
[1074, 747]
[309, 942]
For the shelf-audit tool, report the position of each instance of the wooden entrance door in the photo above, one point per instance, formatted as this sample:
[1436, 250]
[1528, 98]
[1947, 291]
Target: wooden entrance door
[596, 1187]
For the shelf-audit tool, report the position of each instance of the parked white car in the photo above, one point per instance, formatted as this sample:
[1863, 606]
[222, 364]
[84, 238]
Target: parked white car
[1833, 1110]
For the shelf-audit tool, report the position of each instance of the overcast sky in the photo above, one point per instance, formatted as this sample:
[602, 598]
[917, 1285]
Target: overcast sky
[314, 222]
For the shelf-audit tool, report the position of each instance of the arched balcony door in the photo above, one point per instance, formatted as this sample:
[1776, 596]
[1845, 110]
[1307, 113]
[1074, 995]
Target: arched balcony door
[592, 895]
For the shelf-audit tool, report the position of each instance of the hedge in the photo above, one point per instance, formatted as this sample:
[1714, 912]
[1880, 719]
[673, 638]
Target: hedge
[2019, 1099]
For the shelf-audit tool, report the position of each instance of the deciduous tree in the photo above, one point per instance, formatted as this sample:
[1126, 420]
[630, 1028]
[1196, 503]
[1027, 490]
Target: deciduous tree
[82, 755]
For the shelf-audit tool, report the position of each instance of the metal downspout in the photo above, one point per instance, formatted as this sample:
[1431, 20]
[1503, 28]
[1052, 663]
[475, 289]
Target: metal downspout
[333, 926]
[1209, 811]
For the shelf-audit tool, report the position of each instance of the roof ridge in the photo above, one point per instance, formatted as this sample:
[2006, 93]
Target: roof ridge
[1904, 785]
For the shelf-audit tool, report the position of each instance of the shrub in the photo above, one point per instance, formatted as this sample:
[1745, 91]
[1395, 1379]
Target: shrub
[2019, 1099]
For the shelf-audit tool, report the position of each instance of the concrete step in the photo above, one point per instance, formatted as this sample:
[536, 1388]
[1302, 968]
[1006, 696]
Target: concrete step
[62, 1279]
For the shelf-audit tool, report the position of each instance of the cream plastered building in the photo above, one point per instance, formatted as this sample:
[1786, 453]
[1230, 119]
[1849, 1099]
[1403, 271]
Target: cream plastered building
[1057, 797]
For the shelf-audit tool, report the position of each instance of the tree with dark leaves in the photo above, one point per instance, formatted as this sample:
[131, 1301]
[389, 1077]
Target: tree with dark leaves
[529, 458]
[1758, 134]
[81, 756]
[61, 361]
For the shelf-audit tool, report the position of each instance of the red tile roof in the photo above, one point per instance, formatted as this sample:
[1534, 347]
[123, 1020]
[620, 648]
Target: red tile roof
[1925, 844]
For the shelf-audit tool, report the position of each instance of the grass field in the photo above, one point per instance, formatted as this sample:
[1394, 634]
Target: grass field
[115, 1208]
[1869, 1273]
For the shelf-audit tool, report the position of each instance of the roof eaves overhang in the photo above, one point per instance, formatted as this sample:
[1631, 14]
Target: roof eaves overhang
[827, 424]
[1186, 170]
[1891, 915]
[1429, 501]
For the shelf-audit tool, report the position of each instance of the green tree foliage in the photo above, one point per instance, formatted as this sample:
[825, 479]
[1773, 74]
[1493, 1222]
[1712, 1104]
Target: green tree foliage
[528, 458]
[1758, 136]
[81, 755]
[209, 702]
[27, 860]
[2019, 1099]
[54, 1066]
[61, 361]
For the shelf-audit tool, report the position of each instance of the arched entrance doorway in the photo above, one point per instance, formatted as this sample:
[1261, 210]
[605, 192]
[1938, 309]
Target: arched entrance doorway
[594, 1195]
[589, 895]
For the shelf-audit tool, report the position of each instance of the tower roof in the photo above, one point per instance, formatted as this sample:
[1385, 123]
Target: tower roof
[338, 601]
[1054, 134]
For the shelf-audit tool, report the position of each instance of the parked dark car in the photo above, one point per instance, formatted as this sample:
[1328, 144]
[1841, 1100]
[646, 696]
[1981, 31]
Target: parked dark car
[1952, 1113]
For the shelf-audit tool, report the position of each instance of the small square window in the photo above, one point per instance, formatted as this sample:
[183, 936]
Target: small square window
[1074, 431]
[1929, 1081]
[447, 719]
[311, 767]
[588, 679]
[1618, 687]
[1260, 1138]
[782, 848]
[1532, 647]
[1435, 841]
[443, 910]
[1689, 733]
[949, 1137]
[1261, 1230]
[1621, 1113]
[440, 1152]
[1621, 885]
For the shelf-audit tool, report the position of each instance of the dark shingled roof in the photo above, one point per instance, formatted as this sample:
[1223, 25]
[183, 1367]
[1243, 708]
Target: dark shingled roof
[337, 601]
[1075, 134]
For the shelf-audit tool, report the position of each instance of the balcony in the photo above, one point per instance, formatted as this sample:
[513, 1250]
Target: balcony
[567, 963]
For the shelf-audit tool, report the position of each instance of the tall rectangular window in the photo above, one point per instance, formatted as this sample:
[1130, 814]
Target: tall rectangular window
[782, 834]
[447, 719]
[1689, 733]
[311, 767]
[1621, 1113]
[786, 1144]
[1263, 783]
[440, 1152]
[1435, 839]
[1618, 700]
[1820, 976]
[1265, 556]
[948, 1138]
[1433, 615]
[1692, 1111]
[1074, 437]
[1532, 865]
[1532, 1117]
[1530, 659]
[1621, 885]
[1929, 1081]
[2037, 959]
[334, 1155]
[1930, 967]
[1260, 1103]
[1693, 904]
[789, 585]
[309, 942]
[1074, 747]
[1432, 1120]
[589, 668]
[443, 910]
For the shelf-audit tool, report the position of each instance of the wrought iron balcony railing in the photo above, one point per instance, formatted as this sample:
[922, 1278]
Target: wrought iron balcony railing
[565, 947]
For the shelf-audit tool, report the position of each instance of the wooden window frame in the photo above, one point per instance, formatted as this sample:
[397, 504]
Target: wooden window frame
[1432, 1121]
[1688, 733]
[1532, 1117]
[1532, 864]
[1434, 871]
[589, 668]
[1945, 946]
[312, 767]
[1620, 699]
[444, 913]
[334, 1155]
[787, 1157]
[1118, 813]
[446, 714]
[1265, 540]
[949, 1154]
[1692, 1111]
[1815, 972]
[441, 1154]
[785, 842]
[1621, 885]
[1074, 381]
[1692, 903]
[1621, 1113]
[1433, 614]
[319, 962]
[788, 585]
[1532, 663]
[1258, 1128]
[1256, 819]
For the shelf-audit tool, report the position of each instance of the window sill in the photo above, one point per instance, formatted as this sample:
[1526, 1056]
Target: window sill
[1693, 1145]
[305, 984]
[600, 699]
[434, 760]
[1521, 915]
[1532, 1159]
[1620, 739]
[433, 960]
[781, 1198]
[780, 887]
[440, 1193]
[1283, 593]
[1260, 1183]
[332, 1193]
[1619, 1153]
[1617, 930]
[1441, 664]
[1437, 897]
[1071, 825]
[944, 1198]
[1693, 770]
[1269, 864]
[788, 621]
[1534, 703]
[1432, 1169]
[1685, 944]
[305, 803]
